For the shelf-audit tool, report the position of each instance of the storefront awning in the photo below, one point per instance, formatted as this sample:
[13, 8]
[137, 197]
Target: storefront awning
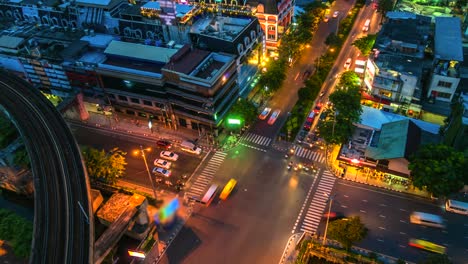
[366, 96]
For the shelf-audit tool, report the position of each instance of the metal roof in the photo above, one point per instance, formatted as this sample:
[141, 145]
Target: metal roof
[448, 41]
[140, 51]
[10, 42]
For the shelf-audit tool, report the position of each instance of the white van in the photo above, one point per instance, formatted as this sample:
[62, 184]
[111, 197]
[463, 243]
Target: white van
[189, 147]
[456, 207]
[427, 219]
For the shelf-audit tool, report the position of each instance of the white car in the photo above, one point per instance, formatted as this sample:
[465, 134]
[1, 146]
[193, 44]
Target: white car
[347, 64]
[335, 14]
[273, 117]
[162, 163]
[264, 113]
[169, 155]
[161, 172]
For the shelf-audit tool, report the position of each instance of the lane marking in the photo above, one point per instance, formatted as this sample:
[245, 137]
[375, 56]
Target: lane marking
[380, 227]
[380, 240]
[403, 221]
[297, 75]
[403, 210]
[344, 206]
[364, 201]
[362, 211]
[402, 233]
[383, 205]
[383, 216]
[346, 196]
[402, 246]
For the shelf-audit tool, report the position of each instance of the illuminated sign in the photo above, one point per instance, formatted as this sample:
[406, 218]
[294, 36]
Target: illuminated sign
[234, 121]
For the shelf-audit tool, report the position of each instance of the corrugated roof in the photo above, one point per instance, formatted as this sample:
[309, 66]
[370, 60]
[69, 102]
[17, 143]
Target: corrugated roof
[448, 42]
[375, 118]
[140, 51]
[10, 42]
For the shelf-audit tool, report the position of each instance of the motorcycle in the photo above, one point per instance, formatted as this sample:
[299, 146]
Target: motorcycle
[290, 165]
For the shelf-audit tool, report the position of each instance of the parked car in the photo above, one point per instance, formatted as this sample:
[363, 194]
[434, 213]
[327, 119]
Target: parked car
[169, 155]
[162, 172]
[164, 144]
[317, 108]
[273, 117]
[190, 147]
[162, 163]
[264, 113]
[333, 216]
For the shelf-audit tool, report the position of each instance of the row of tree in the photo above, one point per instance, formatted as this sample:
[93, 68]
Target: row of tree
[344, 110]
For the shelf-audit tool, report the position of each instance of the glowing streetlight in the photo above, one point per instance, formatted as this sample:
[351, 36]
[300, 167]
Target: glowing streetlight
[142, 153]
[330, 199]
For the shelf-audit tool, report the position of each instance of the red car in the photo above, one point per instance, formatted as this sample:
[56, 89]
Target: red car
[317, 108]
[164, 144]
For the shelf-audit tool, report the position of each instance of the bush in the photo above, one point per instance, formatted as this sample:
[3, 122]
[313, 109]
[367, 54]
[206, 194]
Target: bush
[18, 231]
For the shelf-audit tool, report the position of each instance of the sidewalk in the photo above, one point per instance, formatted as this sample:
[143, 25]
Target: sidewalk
[138, 126]
[290, 253]
[370, 177]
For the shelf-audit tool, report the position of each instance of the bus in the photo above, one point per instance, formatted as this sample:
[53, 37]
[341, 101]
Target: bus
[209, 195]
[456, 207]
[426, 245]
[433, 220]
[365, 28]
[227, 189]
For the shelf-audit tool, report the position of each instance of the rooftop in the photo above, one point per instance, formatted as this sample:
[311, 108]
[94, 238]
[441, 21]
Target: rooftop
[227, 28]
[139, 51]
[448, 41]
[10, 42]
[411, 66]
[198, 63]
[396, 140]
[374, 118]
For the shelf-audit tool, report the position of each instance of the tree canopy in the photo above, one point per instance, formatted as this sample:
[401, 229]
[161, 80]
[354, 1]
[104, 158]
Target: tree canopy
[244, 110]
[347, 231]
[365, 44]
[384, 6]
[345, 110]
[438, 168]
[104, 166]
[17, 231]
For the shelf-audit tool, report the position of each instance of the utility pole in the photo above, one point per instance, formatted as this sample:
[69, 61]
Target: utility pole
[330, 199]
[148, 171]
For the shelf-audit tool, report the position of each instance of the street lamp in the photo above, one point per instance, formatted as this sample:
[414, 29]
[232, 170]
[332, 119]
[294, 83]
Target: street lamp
[142, 152]
[330, 199]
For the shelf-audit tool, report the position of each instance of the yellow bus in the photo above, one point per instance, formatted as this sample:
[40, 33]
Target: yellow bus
[227, 189]
[426, 245]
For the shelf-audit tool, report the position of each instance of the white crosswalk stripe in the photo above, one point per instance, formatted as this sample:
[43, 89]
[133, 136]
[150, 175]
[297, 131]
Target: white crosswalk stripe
[198, 188]
[310, 155]
[314, 213]
[256, 139]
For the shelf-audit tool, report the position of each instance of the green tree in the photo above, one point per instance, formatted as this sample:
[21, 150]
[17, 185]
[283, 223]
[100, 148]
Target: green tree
[8, 132]
[384, 6]
[332, 40]
[349, 79]
[275, 75]
[436, 259]
[105, 166]
[365, 44]
[17, 231]
[345, 110]
[21, 158]
[438, 168]
[244, 110]
[347, 231]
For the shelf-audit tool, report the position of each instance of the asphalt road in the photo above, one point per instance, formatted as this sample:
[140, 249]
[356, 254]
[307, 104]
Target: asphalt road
[63, 219]
[285, 98]
[135, 169]
[386, 214]
[253, 224]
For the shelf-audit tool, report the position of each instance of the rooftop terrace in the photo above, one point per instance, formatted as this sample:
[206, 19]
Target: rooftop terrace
[227, 28]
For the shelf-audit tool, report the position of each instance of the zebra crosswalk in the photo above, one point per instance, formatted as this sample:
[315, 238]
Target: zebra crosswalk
[198, 188]
[256, 139]
[309, 154]
[314, 213]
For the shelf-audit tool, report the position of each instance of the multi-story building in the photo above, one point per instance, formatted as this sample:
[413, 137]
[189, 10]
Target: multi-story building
[181, 87]
[394, 71]
[456, 133]
[448, 53]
